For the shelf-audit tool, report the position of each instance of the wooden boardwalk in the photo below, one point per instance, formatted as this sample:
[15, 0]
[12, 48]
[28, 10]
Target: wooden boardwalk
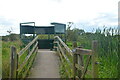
[45, 65]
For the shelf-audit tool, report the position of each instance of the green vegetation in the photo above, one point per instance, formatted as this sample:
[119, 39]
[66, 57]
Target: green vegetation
[0, 56]
[11, 37]
[7, 42]
[65, 68]
[107, 49]
[6, 56]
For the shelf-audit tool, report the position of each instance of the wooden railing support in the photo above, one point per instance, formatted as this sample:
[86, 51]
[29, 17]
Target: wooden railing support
[20, 70]
[94, 59]
[74, 68]
[55, 45]
[13, 62]
[79, 62]
[79, 68]
[74, 45]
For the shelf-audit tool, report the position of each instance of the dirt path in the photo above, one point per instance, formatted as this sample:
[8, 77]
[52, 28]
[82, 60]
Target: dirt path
[45, 65]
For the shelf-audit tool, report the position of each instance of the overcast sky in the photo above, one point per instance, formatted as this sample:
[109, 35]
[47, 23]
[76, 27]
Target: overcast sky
[86, 14]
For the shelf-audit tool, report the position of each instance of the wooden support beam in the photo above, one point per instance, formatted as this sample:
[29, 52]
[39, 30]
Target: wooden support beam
[26, 48]
[94, 59]
[27, 58]
[64, 45]
[83, 51]
[86, 67]
[13, 62]
[74, 66]
[74, 45]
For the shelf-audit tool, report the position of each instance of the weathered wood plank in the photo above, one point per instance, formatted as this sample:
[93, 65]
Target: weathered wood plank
[64, 57]
[79, 67]
[60, 55]
[86, 66]
[27, 58]
[74, 45]
[74, 63]
[27, 47]
[64, 54]
[94, 59]
[77, 78]
[13, 62]
[83, 51]
[14, 66]
[65, 46]
[30, 64]
[80, 60]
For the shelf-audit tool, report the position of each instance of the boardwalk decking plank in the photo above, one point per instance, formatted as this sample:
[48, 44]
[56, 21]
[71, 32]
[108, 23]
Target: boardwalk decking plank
[45, 65]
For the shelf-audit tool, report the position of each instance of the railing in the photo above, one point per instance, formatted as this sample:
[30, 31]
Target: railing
[82, 59]
[21, 62]
[65, 54]
[76, 62]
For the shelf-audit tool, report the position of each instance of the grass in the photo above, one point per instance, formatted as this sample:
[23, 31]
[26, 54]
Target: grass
[0, 58]
[65, 70]
[107, 50]
[107, 53]
[107, 67]
[6, 56]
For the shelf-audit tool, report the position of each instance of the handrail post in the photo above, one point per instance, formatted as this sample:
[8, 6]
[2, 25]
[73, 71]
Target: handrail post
[94, 59]
[74, 44]
[55, 44]
[13, 63]
[74, 67]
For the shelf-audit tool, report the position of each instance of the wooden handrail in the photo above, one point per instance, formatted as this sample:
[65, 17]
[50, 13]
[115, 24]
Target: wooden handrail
[65, 46]
[62, 50]
[64, 55]
[24, 49]
[77, 64]
[27, 58]
[83, 51]
[91, 55]
[15, 70]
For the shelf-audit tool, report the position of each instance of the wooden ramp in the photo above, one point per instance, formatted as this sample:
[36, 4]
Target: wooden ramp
[45, 65]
